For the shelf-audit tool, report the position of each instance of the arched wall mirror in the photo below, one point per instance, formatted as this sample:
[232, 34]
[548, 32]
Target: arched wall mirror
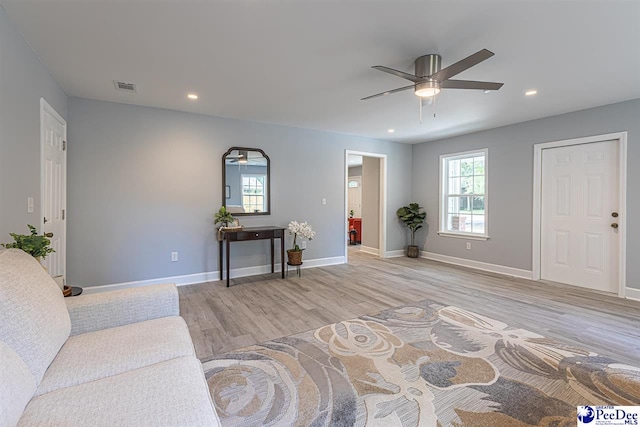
[246, 181]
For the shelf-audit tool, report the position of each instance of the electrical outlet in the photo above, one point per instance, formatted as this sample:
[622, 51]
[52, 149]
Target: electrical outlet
[174, 256]
[303, 244]
[468, 245]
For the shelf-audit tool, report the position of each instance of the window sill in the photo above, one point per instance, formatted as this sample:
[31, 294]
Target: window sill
[463, 235]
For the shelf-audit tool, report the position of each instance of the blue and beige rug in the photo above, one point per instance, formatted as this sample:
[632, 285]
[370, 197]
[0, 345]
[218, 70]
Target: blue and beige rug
[424, 364]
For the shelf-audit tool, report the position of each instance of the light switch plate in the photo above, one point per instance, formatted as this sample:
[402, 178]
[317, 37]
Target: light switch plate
[324, 201]
[174, 256]
[29, 204]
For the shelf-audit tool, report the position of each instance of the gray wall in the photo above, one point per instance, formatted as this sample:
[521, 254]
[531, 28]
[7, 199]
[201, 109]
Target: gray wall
[23, 81]
[510, 173]
[144, 182]
[371, 202]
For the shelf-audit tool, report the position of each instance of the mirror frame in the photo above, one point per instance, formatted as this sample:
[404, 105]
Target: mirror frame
[224, 180]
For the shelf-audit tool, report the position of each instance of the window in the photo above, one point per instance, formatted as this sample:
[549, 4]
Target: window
[254, 192]
[463, 203]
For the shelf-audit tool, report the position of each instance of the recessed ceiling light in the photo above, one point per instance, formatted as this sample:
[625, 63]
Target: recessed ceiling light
[391, 130]
[487, 91]
[531, 92]
[192, 96]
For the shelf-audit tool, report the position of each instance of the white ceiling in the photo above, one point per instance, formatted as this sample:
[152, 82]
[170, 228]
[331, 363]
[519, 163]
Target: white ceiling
[306, 63]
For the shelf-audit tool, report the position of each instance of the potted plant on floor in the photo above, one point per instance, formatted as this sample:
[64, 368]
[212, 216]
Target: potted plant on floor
[303, 230]
[413, 218]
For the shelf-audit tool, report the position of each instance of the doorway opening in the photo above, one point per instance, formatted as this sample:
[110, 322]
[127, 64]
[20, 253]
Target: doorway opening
[365, 203]
[579, 212]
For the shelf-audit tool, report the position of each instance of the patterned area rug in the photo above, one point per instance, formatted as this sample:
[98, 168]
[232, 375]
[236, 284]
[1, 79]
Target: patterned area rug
[424, 364]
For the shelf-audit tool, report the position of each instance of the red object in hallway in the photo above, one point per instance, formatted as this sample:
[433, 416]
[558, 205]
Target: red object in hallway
[356, 224]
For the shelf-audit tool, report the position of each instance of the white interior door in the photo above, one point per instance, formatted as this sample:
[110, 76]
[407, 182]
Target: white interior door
[355, 196]
[579, 244]
[54, 188]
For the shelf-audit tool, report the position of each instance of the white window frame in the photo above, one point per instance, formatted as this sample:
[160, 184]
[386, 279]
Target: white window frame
[443, 195]
[264, 188]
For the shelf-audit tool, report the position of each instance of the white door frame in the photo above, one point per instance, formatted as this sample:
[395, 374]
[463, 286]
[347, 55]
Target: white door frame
[45, 107]
[382, 232]
[621, 137]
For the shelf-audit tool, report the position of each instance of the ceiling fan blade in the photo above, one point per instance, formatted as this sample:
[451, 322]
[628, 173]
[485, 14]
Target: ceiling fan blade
[400, 89]
[469, 84]
[460, 66]
[404, 75]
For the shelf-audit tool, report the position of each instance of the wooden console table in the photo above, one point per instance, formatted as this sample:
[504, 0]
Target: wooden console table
[252, 233]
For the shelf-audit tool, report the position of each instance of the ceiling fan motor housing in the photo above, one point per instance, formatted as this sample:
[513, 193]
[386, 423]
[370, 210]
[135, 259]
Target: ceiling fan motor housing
[428, 64]
[425, 66]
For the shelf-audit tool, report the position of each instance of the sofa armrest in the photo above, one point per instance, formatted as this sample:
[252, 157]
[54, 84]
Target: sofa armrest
[93, 312]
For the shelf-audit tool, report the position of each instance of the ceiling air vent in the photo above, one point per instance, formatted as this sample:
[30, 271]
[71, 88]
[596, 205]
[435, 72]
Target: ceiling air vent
[128, 87]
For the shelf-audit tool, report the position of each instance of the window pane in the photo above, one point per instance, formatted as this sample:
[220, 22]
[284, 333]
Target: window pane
[478, 224]
[478, 165]
[454, 205]
[478, 205]
[454, 185]
[459, 223]
[478, 184]
[465, 206]
[466, 167]
[466, 185]
[454, 167]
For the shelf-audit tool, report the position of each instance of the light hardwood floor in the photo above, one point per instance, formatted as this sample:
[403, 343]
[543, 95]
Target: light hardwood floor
[261, 308]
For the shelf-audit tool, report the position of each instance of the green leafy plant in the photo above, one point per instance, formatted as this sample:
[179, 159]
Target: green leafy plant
[223, 217]
[351, 213]
[413, 218]
[35, 245]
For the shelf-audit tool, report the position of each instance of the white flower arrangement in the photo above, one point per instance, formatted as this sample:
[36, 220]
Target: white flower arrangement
[302, 229]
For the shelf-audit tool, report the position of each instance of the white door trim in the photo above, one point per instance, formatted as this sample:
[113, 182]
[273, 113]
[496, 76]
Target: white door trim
[45, 107]
[621, 137]
[382, 243]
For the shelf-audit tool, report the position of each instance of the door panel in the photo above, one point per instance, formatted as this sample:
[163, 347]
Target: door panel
[579, 193]
[54, 189]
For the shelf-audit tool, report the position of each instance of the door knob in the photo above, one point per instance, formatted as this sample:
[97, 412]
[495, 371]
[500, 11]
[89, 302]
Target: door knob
[614, 225]
[614, 214]
[49, 235]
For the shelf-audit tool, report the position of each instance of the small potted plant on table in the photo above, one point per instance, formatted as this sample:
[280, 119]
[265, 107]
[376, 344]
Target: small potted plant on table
[224, 217]
[413, 218]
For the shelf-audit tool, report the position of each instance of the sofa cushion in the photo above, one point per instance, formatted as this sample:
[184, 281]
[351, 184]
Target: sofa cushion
[17, 386]
[35, 322]
[171, 393]
[95, 355]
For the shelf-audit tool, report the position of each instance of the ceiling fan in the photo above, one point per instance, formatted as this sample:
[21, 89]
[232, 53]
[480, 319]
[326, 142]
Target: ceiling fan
[429, 79]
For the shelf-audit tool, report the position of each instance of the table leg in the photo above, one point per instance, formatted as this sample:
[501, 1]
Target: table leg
[282, 261]
[273, 262]
[220, 258]
[228, 258]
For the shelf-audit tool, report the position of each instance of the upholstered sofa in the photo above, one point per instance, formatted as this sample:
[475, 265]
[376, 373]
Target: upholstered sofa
[120, 358]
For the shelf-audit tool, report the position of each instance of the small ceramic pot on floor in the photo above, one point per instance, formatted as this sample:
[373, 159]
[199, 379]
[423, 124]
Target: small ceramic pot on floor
[413, 251]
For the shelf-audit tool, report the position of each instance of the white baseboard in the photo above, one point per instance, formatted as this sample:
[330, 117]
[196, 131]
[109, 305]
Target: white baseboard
[494, 268]
[211, 276]
[632, 293]
[368, 250]
[395, 254]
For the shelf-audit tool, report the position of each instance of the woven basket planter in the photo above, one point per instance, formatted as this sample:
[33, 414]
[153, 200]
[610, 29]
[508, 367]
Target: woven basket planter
[295, 257]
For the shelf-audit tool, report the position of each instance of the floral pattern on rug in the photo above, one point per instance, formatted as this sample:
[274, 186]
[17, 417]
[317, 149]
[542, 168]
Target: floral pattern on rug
[424, 364]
